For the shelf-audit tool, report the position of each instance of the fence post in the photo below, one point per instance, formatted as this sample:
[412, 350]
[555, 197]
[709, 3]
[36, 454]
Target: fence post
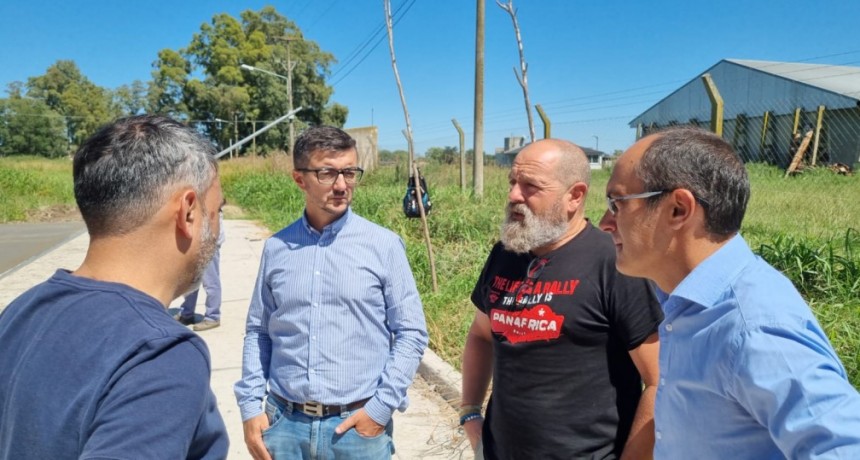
[796, 122]
[462, 154]
[716, 105]
[764, 122]
[547, 125]
[818, 124]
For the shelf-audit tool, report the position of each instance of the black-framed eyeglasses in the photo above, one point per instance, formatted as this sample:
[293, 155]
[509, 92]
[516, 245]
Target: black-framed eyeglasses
[328, 176]
[613, 208]
[533, 271]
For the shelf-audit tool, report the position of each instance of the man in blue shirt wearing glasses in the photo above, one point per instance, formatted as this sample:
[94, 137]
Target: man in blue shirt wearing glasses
[335, 329]
[746, 372]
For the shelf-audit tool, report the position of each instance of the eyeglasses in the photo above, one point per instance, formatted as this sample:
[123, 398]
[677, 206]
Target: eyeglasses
[328, 176]
[613, 208]
[533, 272]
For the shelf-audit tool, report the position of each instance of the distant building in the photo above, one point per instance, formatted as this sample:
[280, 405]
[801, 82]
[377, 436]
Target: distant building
[514, 142]
[595, 157]
[767, 104]
[513, 145]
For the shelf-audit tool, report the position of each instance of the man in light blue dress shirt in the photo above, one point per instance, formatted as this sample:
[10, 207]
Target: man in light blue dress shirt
[746, 372]
[335, 329]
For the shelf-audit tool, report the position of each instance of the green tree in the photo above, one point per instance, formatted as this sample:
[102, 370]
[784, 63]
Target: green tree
[166, 90]
[205, 81]
[396, 156]
[66, 91]
[444, 155]
[130, 99]
[30, 127]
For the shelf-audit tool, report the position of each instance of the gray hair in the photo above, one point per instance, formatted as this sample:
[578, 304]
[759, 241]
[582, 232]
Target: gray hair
[124, 172]
[325, 138]
[699, 161]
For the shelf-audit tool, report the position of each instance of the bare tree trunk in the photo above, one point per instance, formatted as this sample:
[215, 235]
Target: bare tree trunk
[415, 176]
[522, 77]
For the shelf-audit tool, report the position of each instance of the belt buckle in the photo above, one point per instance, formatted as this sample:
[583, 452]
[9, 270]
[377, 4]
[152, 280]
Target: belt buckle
[313, 408]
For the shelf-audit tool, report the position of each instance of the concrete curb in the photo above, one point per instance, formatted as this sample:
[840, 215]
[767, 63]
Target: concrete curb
[442, 377]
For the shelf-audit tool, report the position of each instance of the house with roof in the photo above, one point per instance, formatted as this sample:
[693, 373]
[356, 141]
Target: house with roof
[769, 106]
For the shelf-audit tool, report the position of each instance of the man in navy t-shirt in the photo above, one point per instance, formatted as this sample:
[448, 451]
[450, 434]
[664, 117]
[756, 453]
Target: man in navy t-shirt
[92, 365]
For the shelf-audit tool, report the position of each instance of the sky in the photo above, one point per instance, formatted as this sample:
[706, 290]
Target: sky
[592, 65]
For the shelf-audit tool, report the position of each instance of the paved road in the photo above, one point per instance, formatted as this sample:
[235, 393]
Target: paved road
[425, 430]
[21, 242]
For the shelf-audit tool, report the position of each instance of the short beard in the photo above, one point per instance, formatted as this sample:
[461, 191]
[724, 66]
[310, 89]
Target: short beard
[533, 231]
[208, 246]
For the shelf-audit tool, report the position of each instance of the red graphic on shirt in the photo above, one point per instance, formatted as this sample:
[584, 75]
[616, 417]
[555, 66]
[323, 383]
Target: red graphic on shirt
[527, 325]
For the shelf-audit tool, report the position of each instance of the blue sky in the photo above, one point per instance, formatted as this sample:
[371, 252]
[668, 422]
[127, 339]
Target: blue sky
[593, 65]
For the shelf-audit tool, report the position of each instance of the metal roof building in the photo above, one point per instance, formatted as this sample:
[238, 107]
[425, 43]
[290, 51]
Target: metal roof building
[766, 104]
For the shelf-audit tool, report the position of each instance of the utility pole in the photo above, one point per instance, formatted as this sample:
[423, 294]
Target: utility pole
[478, 166]
[236, 132]
[290, 65]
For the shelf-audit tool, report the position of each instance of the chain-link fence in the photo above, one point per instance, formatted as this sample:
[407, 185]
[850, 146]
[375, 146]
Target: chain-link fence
[772, 111]
[775, 133]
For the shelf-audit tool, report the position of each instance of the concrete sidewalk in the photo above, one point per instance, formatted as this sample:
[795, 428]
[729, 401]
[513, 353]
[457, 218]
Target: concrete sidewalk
[428, 429]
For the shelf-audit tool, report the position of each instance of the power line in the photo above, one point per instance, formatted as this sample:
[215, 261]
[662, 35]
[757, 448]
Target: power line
[378, 41]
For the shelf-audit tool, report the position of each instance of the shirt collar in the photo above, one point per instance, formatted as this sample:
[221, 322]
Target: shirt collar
[334, 227]
[707, 283]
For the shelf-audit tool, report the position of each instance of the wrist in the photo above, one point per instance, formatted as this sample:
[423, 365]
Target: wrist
[464, 419]
[470, 409]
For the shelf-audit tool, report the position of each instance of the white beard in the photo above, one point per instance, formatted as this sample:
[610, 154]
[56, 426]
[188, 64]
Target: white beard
[533, 231]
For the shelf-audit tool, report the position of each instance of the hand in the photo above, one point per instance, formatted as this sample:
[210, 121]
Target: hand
[254, 428]
[363, 424]
[472, 428]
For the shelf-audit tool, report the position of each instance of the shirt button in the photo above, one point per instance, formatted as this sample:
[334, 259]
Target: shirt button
[669, 327]
[662, 381]
[317, 273]
[658, 435]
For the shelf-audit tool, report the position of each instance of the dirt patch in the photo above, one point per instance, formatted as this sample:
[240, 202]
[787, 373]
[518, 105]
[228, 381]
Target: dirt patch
[54, 213]
[233, 212]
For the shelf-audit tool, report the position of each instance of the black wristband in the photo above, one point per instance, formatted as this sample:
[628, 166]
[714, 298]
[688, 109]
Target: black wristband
[469, 417]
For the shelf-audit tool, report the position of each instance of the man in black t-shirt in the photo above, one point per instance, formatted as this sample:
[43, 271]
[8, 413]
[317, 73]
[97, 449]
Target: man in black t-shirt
[567, 339]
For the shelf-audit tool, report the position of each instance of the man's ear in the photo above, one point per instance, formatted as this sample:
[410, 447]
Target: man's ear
[576, 196]
[684, 206]
[299, 178]
[185, 215]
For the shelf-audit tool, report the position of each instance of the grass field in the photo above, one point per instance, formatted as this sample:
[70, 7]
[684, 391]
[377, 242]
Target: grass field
[807, 226]
[30, 186]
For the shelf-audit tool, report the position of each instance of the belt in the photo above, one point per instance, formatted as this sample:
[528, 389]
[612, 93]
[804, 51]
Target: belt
[316, 409]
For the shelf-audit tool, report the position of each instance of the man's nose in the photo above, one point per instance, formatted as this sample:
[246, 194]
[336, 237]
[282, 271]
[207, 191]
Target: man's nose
[607, 222]
[339, 182]
[515, 194]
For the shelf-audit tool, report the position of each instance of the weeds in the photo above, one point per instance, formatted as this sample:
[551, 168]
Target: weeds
[805, 226]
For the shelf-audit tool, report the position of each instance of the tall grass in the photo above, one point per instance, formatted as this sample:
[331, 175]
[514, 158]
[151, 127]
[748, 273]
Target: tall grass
[808, 227]
[805, 226]
[29, 184]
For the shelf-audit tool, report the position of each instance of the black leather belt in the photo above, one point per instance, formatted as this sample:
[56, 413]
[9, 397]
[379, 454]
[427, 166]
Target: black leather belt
[316, 409]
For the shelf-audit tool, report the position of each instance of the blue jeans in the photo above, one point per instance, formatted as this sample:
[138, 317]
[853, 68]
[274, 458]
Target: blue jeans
[295, 435]
[212, 285]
